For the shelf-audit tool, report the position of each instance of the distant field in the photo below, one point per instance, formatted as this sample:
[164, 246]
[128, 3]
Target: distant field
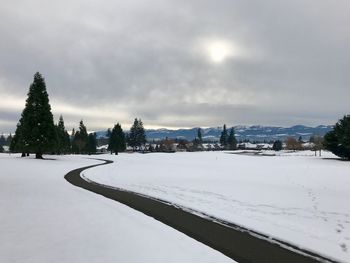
[292, 196]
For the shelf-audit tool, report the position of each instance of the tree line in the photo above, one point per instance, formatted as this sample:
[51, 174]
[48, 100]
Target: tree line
[37, 133]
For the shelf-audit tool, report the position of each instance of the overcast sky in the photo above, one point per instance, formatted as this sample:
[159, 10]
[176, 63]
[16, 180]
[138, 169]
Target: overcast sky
[178, 63]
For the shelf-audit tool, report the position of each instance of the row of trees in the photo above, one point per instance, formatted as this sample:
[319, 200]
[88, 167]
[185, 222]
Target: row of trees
[228, 141]
[315, 143]
[336, 141]
[37, 133]
[117, 139]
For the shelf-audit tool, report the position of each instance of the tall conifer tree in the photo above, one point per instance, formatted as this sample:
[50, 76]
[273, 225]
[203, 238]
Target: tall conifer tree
[35, 130]
[80, 139]
[199, 135]
[137, 135]
[224, 137]
[91, 143]
[117, 142]
[63, 139]
[231, 141]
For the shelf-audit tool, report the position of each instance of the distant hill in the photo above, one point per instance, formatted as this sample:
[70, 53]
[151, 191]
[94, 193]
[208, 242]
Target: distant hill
[253, 133]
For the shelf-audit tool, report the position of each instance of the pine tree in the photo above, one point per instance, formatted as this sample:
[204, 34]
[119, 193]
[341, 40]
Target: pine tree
[231, 140]
[224, 137]
[137, 136]
[80, 139]
[199, 135]
[141, 135]
[35, 131]
[338, 140]
[14, 145]
[74, 148]
[63, 139]
[277, 145]
[132, 136]
[2, 140]
[117, 142]
[91, 143]
[1, 149]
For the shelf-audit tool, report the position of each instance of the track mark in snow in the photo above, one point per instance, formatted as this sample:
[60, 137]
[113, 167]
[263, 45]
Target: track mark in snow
[340, 228]
[344, 247]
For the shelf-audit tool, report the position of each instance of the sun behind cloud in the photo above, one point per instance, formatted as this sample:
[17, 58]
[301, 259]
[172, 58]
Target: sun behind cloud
[219, 50]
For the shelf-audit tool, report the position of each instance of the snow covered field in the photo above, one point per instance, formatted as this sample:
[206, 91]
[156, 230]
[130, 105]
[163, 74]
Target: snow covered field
[294, 197]
[43, 218]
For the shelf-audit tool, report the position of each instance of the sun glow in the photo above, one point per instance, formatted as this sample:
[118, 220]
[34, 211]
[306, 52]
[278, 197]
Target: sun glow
[219, 51]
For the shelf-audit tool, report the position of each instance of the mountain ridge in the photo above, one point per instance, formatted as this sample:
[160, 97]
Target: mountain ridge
[242, 132]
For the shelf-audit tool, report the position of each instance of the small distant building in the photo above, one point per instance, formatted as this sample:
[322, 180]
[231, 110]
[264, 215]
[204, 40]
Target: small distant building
[102, 149]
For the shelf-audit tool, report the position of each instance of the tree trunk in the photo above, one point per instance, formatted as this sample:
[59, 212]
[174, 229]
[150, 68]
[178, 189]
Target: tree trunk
[116, 153]
[23, 155]
[38, 156]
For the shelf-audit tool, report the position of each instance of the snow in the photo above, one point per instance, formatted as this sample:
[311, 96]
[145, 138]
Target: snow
[293, 196]
[43, 218]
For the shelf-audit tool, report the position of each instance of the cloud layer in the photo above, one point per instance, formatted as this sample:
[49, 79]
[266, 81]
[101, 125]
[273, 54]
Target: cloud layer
[288, 61]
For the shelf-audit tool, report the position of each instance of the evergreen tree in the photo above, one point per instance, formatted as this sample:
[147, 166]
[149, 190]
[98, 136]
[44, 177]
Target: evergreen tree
[199, 135]
[36, 131]
[132, 136]
[231, 140]
[141, 135]
[80, 139]
[137, 136]
[277, 145]
[74, 148]
[91, 143]
[224, 137]
[63, 139]
[13, 144]
[338, 140]
[1, 149]
[2, 140]
[117, 142]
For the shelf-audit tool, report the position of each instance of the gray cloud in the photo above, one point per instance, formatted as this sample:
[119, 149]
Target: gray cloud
[117, 60]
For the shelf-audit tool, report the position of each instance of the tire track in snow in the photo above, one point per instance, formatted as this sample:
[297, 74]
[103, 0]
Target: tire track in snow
[236, 242]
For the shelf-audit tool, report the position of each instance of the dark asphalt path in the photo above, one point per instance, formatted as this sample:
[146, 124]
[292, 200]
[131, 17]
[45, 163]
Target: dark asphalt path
[234, 241]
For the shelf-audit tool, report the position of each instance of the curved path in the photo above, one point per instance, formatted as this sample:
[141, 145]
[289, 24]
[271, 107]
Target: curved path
[236, 242]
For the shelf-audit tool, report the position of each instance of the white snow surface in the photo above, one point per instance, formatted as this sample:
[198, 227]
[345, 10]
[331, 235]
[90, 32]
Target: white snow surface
[43, 218]
[295, 197]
